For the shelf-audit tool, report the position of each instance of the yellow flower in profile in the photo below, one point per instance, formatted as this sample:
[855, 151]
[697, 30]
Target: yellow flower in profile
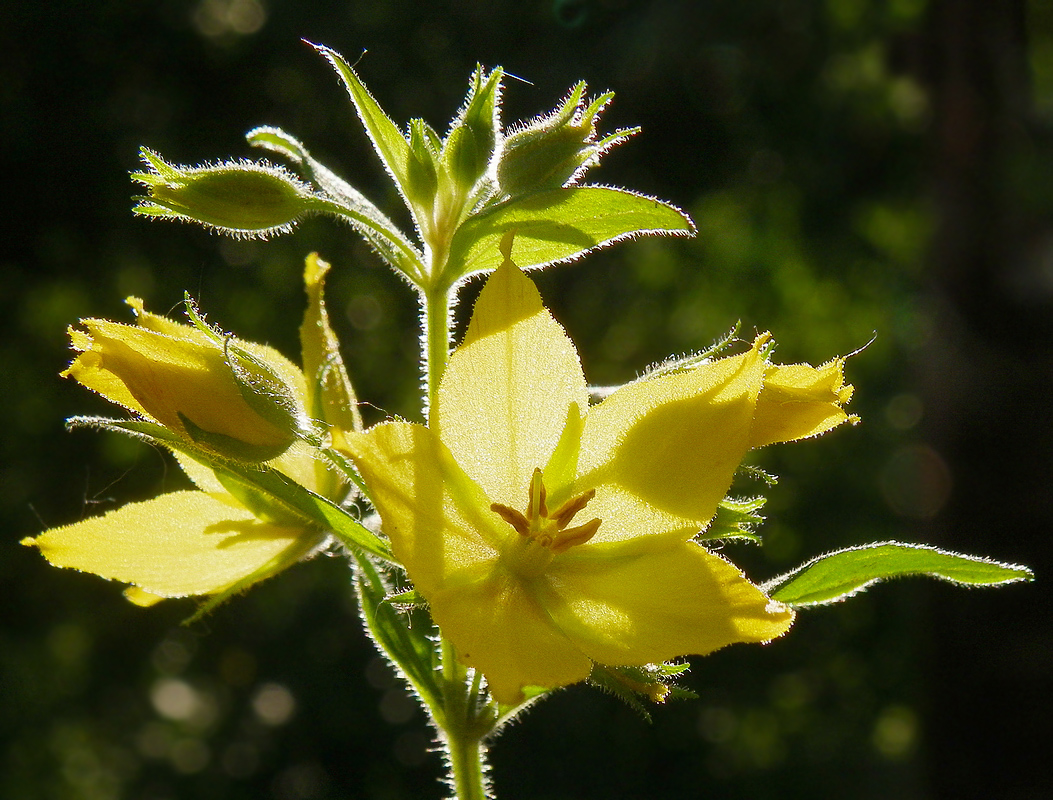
[234, 397]
[222, 537]
[547, 535]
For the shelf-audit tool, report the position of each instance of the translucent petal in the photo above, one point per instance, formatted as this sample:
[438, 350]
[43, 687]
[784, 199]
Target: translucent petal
[181, 543]
[506, 393]
[799, 401]
[285, 369]
[332, 396]
[161, 377]
[439, 521]
[661, 452]
[655, 599]
[501, 630]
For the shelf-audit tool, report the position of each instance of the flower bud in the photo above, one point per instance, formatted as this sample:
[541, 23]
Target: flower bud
[245, 198]
[421, 176]
[234, 398]
[557, 149]
[473, 135]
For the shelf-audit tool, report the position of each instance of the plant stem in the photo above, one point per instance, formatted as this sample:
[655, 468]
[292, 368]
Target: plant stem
[436, 350]
[467, 766]
[459, 719]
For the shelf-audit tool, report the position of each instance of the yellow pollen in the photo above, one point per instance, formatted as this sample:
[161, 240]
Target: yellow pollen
[549, 530]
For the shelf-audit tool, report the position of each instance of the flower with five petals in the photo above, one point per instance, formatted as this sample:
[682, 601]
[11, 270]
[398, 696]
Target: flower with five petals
[546, 535]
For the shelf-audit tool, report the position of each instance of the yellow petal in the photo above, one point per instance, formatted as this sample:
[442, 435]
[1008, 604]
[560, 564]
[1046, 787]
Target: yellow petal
[661, 452]
[506, 393]
[169, 327]
[439, 521]
[181, 543]
[282, 367]
[655, 599]
[799, 401]
[499, 629]
[161, 378]
[142, 598]
[331, 396]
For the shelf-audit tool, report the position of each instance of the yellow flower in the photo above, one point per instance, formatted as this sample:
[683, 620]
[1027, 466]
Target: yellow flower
[547, 535]
[220, 538]
[230, 396]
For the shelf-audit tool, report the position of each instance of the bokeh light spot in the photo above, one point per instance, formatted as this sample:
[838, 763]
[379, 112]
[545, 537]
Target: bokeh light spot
[273, 704]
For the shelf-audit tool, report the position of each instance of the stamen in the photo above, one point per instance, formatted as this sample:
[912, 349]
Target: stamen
[512, 517]
[549, 531]
[565, 513]
[566, 539]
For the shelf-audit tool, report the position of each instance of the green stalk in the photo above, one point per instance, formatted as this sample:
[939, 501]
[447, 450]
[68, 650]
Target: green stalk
[436, 346]
[467, 760]
[459, 723]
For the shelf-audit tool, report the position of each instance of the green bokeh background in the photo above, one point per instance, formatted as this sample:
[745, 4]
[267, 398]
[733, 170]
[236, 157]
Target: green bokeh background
[855, 167]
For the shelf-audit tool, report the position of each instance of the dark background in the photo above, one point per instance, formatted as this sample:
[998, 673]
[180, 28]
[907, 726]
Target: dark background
[854, 166]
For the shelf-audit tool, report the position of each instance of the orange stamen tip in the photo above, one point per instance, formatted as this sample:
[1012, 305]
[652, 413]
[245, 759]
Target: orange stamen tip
[571, 537]
[512, 517]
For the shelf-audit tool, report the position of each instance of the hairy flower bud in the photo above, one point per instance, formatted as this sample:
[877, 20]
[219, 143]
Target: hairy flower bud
[473, 135]
[421, 175]
[244, 198]
[556, 150]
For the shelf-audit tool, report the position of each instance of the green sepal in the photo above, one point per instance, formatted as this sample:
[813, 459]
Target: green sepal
[735, 519]
[407, 600]
[266, 393]
[422, 174]
[633, 685]
[228, 447]
[686, 363]
[295, 500]
[261, 389]
[559, 225]
[406, 638]
[836, 576]
[469, 146]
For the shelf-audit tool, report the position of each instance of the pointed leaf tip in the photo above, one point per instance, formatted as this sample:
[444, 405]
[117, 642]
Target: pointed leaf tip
[836, 576]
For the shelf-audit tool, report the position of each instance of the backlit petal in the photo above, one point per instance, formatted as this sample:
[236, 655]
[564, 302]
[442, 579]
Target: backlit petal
[162, 377]
[506, 393]
[799, 401]
[439, 521]
[181, 543]
[661, 452]
[655, 599]
[501, 630]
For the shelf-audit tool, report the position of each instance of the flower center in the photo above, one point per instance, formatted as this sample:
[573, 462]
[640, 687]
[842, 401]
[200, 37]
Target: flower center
[545, 528]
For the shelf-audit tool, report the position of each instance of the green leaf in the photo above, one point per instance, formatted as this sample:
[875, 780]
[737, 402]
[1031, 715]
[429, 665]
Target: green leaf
[559, 225]
[836, 576]
[408, 639]
[387, 139]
